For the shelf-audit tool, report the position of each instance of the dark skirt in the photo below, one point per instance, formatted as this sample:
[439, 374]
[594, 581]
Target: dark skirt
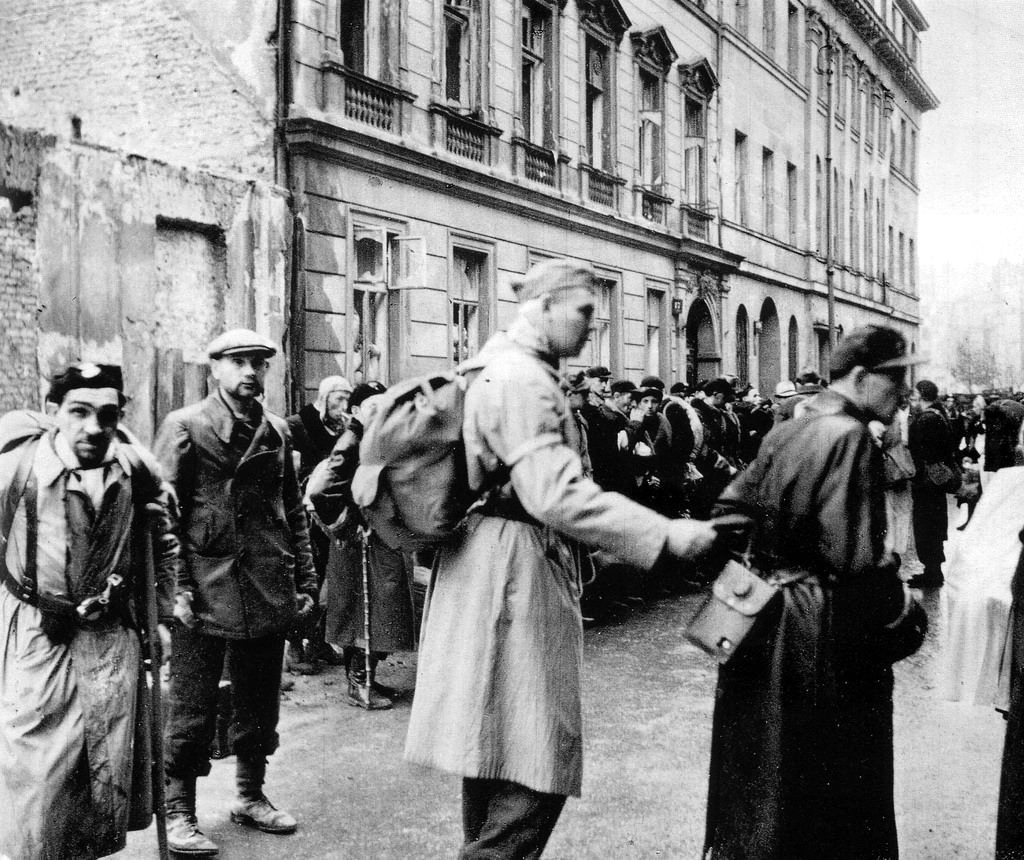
[802, 746]
[391, 598]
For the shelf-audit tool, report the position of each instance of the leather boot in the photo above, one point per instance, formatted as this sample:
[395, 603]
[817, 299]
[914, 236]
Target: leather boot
[183, 833]
[361, 693]
[252, 807]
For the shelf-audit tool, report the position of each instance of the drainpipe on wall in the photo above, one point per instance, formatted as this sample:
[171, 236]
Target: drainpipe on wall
[295, 301]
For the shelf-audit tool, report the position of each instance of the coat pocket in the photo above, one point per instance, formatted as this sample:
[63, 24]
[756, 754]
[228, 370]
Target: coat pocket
[217, 598]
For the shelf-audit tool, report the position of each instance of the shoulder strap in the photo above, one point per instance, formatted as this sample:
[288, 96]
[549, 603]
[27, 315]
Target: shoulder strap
[16, 489]
[22, 486]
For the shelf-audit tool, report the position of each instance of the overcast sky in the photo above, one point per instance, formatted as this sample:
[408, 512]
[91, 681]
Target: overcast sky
[972, 159]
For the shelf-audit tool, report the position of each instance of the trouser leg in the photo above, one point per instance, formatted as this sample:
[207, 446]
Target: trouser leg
[197, 662]
[255, 669]
[506, 821]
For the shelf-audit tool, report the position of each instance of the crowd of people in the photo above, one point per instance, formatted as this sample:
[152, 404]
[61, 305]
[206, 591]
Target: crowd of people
[591, 490]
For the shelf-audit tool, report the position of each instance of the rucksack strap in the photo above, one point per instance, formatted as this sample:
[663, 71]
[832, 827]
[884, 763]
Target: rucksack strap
[23, 487]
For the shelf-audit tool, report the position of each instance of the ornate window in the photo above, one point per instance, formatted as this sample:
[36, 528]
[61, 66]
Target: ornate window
[538, 74]
[791, 203]
[768, 191]
[768, 27]
[464, 59]
[654, 55]
[603, 25]
[369, 36]
[740, 174]
[698, 83]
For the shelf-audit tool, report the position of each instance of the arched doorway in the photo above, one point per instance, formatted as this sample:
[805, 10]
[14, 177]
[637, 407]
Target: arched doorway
[702, 358]
[793, 342]
[769, 349]
[742, 345]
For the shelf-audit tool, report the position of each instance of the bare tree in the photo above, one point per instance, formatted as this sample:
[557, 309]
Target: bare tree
[975, 364]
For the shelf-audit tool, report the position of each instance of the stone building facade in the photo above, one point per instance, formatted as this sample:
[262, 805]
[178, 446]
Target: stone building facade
[437, 148]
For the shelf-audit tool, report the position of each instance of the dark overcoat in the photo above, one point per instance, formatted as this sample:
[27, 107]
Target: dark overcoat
[244, 534]
[802, 747]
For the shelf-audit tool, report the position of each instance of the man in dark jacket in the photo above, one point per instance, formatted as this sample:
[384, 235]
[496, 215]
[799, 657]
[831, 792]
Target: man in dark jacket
[247, 575]
[605, 419]
[930, 445]
[802, 744]
[711, 460]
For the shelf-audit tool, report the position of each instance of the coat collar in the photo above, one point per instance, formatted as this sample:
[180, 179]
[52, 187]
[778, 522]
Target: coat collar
[223, 419]
[829, 402]
[523, 337]
[55, 458]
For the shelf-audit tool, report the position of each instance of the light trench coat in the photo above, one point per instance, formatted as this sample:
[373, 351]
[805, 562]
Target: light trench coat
[498, 686]
[74, 744]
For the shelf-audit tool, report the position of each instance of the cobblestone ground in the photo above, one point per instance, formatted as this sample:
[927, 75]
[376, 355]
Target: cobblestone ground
[648, 701]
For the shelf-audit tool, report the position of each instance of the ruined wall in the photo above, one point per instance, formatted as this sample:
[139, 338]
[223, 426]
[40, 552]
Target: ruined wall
[162, 260]
[21, 155]
[189, 83]
[114, 258]
[18, 375]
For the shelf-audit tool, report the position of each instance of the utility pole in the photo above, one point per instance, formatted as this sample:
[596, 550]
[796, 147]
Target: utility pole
[830, 251]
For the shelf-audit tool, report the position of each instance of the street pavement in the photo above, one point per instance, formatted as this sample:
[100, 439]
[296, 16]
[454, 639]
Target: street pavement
[648, 699]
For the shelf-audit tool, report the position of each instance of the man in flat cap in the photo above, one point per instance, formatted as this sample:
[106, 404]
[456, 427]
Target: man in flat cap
[247, 576]
[803, 716]
[74, 493]
[498, 687]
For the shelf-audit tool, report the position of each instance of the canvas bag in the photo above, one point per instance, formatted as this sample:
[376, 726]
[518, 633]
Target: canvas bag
[411, 484]
[738, 596]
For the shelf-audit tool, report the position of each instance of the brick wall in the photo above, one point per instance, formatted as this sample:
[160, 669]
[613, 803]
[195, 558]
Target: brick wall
[141, 77]
[19, 386]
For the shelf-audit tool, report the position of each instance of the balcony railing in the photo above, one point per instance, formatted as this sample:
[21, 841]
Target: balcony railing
[600, 187]
[362, 99]
[463, 135]
[535, 162]
[697, 218]
[654, 205]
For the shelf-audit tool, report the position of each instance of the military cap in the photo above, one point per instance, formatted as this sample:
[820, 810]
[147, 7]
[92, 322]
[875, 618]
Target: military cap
[872, 347]
[85, 374]
[240, 341]
[551, 276]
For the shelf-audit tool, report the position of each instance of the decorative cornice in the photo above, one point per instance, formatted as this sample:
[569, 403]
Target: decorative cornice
[869, 25]
[654, 48]
[605, 16]
[699, 75]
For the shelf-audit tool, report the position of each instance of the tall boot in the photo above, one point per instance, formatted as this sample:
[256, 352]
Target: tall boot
[360, 687]
[183, 833]
[252, 807]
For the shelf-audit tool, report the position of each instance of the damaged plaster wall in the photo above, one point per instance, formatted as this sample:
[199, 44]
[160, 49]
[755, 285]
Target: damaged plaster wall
[134, 262]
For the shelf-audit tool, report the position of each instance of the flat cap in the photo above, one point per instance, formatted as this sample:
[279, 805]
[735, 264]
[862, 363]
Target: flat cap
[620, 386]
[240, 341]
[598, 372]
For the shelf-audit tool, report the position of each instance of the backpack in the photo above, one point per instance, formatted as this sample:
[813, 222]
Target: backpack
[411, 484]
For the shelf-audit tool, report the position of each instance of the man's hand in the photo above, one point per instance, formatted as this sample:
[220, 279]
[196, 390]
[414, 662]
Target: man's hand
[693, 540]
[303, 605]
[183, 609]
[165, 642]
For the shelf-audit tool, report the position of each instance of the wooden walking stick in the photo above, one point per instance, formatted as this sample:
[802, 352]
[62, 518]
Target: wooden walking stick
[156, 709]
[364, 541]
